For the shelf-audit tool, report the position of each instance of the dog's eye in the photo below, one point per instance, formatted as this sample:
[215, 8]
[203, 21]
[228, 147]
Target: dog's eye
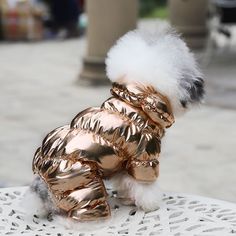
[183, 103]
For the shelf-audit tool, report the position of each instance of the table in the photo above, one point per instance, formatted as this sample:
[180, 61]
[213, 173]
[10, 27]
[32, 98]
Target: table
[179, 214]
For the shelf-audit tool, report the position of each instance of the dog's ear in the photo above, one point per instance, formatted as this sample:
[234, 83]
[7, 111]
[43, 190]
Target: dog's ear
[193, 89]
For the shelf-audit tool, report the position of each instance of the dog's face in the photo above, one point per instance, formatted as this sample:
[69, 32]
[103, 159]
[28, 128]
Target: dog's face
[195, 92]
[192, 93]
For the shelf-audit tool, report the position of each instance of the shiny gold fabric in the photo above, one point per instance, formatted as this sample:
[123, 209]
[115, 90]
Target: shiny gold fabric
[123, 134]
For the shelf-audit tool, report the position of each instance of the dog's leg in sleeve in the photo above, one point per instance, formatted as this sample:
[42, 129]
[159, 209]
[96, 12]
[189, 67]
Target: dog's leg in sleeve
[144, 166]
[140, 185]
[77, 188]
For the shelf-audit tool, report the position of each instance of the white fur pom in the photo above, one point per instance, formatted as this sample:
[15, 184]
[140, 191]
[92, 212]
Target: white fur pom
[161, 59]
[147, 196]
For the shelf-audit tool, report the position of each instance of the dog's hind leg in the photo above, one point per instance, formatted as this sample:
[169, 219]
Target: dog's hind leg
[77, 189]
[92, 202]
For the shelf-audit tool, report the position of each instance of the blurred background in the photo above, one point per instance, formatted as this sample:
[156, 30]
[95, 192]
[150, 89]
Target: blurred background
[52, 66]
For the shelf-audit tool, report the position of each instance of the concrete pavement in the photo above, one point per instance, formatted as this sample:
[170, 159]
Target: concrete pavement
[39, 91]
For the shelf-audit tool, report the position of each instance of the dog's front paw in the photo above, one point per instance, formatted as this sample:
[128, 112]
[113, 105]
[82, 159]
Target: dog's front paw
[149, 201]
[146, 196]
[122, 186]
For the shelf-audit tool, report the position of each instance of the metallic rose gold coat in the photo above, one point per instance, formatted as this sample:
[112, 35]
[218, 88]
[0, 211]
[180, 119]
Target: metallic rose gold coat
[123, 134]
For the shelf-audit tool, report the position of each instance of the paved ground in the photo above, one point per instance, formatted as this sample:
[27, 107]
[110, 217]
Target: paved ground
[39, 91]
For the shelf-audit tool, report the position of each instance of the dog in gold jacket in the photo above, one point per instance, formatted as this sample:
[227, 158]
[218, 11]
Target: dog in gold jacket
[154, 78]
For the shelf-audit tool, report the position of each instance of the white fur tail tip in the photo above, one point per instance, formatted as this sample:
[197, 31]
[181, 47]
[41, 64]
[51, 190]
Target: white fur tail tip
[31, 204]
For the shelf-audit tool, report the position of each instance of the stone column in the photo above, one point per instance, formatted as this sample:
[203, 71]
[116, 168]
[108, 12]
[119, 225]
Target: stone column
[107, 21]
[189, 18]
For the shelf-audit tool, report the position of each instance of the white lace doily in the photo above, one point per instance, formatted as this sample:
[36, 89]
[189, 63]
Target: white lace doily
[179, 215]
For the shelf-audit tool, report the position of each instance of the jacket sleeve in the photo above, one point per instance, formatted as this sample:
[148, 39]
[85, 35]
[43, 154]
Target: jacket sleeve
[144, 166]
[145, 171]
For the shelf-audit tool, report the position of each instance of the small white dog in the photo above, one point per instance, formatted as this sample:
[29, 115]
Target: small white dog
[163, 60]
[155, 78]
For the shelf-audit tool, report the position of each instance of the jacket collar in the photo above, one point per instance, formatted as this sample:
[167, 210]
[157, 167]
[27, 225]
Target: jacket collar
[152, 102]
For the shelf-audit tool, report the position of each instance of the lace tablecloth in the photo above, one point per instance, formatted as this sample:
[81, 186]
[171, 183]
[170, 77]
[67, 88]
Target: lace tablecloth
[179, 214]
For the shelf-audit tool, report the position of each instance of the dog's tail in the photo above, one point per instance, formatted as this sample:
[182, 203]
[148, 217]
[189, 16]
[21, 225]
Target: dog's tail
[37, 199]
